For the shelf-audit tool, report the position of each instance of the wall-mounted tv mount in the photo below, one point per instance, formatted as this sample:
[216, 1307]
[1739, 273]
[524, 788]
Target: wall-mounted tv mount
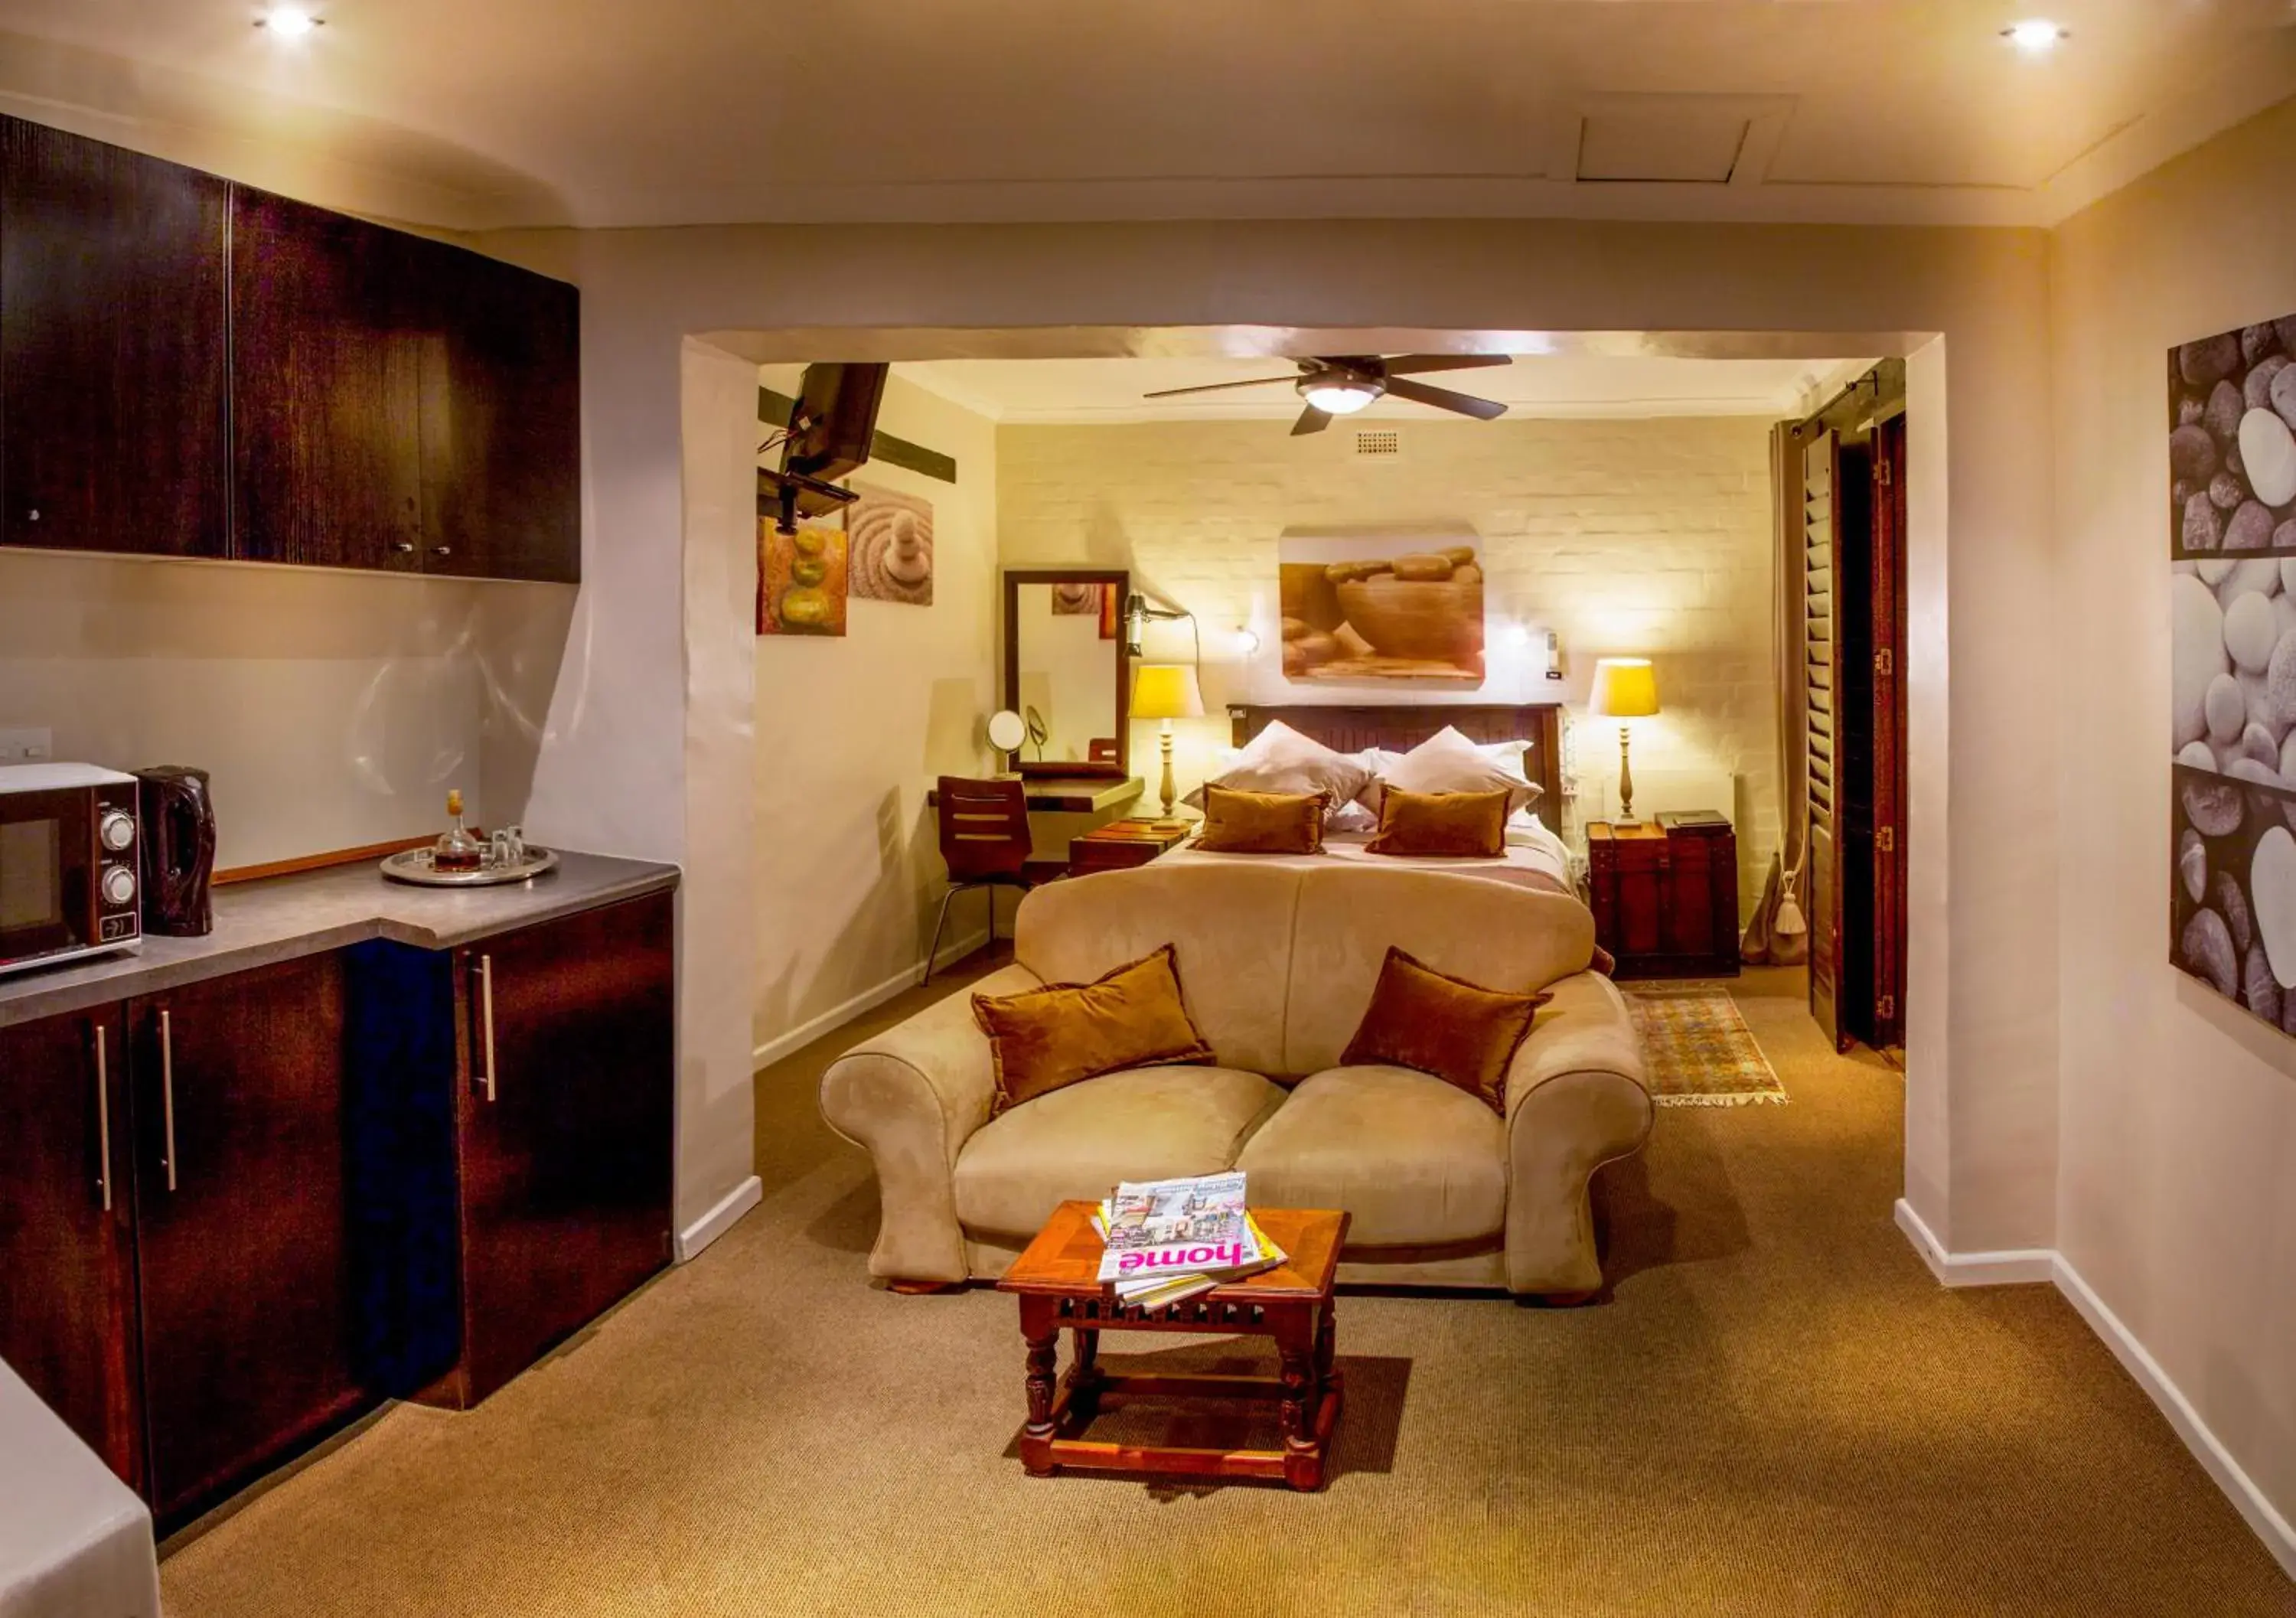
[829, 426]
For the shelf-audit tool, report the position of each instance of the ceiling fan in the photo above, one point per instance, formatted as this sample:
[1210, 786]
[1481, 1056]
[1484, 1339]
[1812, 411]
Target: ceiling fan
[1340, 384]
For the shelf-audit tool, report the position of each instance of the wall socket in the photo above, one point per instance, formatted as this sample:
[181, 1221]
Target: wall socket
[26, 746]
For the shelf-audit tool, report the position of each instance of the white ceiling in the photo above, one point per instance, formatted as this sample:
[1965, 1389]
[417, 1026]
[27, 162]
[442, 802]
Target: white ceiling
[1108, 390]
[474, 113]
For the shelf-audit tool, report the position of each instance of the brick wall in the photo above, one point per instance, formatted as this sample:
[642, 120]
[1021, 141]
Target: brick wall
[1621, 536]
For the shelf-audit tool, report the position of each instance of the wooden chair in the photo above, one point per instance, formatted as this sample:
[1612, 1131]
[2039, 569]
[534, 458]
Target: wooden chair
[985, 842]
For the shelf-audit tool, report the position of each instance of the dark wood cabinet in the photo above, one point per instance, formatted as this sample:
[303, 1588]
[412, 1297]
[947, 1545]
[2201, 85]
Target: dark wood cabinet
[67, 1231]
[500, 417]
[113, 349]
[326, 358]
[566, 1035]
[1665, 899]
[244, 1269]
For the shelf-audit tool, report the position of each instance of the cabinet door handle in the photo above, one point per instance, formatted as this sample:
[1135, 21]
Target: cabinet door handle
[487, 1017]
[168, 1097]
[403, 547]
[102, 1121]
[442, 550]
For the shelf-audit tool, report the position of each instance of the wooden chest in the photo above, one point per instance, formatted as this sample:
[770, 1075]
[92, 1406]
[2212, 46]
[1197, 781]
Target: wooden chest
[1665, 900]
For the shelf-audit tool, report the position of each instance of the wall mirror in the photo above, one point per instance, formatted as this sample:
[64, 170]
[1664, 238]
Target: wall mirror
[1066, 669]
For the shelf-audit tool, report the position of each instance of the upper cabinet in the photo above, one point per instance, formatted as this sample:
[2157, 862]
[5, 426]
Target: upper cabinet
[112, 348]
[193, 369]
[326, 356]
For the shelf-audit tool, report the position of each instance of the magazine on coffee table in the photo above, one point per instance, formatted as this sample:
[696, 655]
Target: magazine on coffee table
[1167, 1240]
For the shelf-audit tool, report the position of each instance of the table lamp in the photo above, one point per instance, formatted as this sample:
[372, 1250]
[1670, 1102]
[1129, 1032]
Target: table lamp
[1625, 689]
[1165, 692]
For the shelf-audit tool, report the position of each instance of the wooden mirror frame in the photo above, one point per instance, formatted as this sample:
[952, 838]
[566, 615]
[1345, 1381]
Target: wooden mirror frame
[1121, 578]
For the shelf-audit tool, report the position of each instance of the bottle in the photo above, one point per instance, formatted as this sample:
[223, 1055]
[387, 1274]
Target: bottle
[456, 849]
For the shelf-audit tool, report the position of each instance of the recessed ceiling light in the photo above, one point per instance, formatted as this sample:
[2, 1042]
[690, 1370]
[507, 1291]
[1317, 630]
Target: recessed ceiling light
[2035, 36]
[288, 21]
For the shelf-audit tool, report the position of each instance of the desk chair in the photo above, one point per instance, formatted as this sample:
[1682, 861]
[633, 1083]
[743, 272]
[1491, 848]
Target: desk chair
[985, 842]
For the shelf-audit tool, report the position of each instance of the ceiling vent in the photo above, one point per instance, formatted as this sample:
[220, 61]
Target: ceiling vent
[1378, 444]
[1672, 139]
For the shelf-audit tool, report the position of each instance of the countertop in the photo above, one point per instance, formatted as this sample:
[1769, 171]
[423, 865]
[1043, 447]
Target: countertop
[260, 923]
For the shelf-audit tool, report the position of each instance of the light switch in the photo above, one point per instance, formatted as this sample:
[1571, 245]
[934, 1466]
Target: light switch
[26, 746]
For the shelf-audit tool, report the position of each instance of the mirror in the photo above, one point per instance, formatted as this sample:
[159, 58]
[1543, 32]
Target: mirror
[1066, 669]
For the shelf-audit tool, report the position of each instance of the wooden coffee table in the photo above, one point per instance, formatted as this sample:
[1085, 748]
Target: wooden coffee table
[1058, 1285]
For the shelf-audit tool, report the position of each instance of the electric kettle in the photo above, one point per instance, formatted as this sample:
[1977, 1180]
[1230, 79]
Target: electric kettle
[180, 846]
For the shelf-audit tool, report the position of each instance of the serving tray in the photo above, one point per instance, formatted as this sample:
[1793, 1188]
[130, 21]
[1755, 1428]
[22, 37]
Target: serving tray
[414, 864]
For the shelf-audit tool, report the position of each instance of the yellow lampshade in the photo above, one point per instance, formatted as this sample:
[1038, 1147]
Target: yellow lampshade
[1166, 690]
[1625, 689]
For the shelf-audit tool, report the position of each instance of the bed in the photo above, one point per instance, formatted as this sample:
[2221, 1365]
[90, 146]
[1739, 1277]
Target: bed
[1534, 856]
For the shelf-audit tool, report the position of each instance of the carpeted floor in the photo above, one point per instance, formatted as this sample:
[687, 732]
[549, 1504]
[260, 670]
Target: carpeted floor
[1774, 1411]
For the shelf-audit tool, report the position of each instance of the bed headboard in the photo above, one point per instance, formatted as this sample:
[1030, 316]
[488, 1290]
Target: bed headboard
[1401, 726]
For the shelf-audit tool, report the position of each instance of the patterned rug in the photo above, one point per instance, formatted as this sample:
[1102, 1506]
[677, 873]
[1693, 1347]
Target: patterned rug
[1697, 1048]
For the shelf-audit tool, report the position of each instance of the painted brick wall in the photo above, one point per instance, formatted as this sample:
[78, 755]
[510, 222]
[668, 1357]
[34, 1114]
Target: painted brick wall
[1622, 536]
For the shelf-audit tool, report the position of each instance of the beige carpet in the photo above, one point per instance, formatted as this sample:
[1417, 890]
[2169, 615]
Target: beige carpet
[1774, 1412]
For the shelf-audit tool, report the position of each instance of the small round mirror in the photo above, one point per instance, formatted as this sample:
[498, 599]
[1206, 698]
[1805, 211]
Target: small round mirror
[1005, 730]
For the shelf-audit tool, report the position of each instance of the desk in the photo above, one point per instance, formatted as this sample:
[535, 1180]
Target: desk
[1068, 794]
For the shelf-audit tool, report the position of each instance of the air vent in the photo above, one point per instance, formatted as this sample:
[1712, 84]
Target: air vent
[1384, 445]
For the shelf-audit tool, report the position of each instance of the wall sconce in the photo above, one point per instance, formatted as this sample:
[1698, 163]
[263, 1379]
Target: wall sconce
[1139, 612]
[1247, 641]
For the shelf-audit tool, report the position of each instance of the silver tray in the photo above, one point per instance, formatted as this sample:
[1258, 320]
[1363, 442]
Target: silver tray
[414, 864]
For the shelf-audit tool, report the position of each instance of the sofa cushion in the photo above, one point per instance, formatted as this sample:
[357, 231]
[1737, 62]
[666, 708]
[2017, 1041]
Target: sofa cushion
[1232, 921]
[1077, 1142]
[1463, 1033]
[1503, 938]
[1417, 1161]
[1045, 1037]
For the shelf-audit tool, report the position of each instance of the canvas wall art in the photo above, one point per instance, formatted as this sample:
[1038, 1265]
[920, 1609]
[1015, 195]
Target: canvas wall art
[890, 546]
[2232, 593]
[1381, 608]
[801, 579]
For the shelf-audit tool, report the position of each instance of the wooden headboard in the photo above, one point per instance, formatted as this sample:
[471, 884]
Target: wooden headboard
[1401, 726]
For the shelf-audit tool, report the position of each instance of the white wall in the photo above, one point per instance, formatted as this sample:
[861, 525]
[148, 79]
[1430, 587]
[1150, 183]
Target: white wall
[2177, 1191]
[850, 733]
[331, 709]
[1635, 537]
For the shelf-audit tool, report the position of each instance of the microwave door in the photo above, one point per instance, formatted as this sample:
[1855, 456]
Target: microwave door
[47, 888]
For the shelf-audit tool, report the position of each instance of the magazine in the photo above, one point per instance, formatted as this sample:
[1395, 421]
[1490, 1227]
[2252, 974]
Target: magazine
[1167, 1240]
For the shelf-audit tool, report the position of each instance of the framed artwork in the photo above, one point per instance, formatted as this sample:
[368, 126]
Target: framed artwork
[1384, 608]
[801, 579]
[2232, 611]
[890, 547]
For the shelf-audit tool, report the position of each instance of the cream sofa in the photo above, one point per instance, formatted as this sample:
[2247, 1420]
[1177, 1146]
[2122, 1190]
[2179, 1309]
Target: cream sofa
[1277, 965]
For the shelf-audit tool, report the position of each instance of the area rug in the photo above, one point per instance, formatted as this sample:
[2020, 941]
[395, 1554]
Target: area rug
[1697, 1050]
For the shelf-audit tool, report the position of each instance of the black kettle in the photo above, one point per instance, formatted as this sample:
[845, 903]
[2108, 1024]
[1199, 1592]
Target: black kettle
[179, 845]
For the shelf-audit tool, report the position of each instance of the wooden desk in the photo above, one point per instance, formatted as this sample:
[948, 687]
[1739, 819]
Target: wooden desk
[1058, 1282]
[1069, 795]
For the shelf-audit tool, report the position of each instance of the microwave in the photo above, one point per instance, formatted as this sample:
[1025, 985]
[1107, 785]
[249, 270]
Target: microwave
[68, 856]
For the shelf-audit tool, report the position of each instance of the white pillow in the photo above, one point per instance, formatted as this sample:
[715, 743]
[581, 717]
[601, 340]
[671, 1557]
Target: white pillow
[1279, 759]
[1447, 762]
[1351, 817]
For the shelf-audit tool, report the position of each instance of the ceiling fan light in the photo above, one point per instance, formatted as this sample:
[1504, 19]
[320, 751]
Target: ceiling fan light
[1339, 397]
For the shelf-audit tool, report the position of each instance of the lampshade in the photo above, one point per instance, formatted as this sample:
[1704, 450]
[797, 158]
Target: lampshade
[1166, 690]
[1625, 689]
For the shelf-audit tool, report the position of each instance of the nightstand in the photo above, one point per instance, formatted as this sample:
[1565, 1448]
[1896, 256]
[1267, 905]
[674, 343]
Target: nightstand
[1666, 897]
[1121, 844]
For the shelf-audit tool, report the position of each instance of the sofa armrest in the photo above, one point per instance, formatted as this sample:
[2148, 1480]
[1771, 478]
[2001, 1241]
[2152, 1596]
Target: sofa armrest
[1575, 1101]
[912, 1097]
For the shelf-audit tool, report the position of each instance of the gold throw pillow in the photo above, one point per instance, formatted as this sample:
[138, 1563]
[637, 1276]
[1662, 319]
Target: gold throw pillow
[1430, 1021]
[1238, 822]
[1460, 824]
[1041, 1038]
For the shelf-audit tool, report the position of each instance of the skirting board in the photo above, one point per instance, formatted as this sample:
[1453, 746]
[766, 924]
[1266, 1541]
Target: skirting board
[720, 1218]
[805, 1033]
[2002, 1268]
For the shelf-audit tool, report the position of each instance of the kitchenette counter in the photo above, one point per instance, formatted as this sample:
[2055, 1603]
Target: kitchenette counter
[260, 923]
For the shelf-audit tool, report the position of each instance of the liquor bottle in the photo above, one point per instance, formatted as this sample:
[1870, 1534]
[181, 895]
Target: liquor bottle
[456, 849]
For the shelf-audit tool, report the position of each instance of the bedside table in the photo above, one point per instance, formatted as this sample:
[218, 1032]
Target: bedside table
[1665, 897]
[1121, 844]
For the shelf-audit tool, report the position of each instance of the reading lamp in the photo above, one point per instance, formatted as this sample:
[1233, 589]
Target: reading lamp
[1625, 689]
[1165, 692]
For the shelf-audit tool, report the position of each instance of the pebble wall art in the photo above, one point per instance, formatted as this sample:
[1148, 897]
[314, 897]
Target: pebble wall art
[2232, 545]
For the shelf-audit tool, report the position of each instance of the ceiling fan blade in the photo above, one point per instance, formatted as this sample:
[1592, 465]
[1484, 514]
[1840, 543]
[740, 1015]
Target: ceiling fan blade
[1443, 398]
[1311, 420]
[1257, 381]
[1406, 363]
